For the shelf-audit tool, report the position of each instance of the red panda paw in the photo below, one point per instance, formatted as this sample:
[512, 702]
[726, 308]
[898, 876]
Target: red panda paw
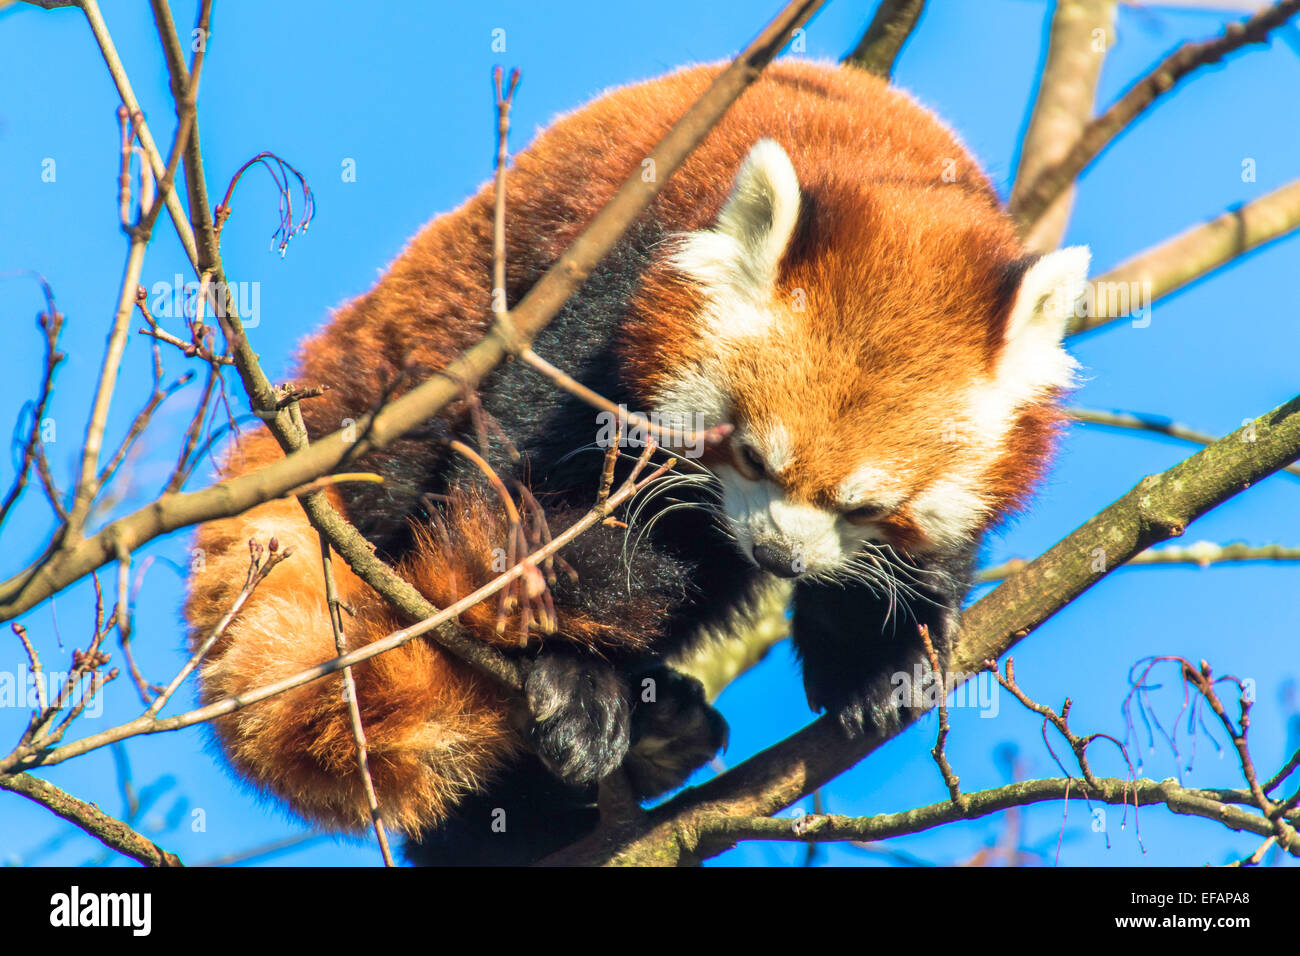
[887, 702]
[675, 731]
[580, 715]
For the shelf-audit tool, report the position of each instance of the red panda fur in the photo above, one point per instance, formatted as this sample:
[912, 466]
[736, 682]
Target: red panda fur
[875, 163]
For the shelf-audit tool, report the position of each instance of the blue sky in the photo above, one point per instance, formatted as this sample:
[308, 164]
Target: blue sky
[402, 90]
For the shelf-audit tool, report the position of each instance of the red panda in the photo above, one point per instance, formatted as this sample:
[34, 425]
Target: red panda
[830, 273]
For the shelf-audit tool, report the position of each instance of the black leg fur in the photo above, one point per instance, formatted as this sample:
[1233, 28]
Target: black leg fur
[527, 815]
[860, 663]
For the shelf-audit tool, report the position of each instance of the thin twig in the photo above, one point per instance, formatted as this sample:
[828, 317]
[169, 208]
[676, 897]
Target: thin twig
[1202, 554]
[667, 437]
[50, 322]
[937, 752]
[354, 707]
[1149, 423]
[713, 832]
[257, 573]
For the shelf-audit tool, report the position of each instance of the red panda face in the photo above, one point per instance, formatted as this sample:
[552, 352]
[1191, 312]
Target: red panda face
[887, 354]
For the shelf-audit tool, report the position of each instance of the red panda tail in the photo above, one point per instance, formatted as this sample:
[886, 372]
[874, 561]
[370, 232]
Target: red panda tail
[435, 729]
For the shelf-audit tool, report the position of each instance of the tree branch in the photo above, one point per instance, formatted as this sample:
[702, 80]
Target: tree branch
[885, 35]
[1202, 554]
[1039, 194]
[110, 831]
[1149, 423]
[1078, 39]
[118, 72]
[1191, 254]
[1159, 507]
[714, 833]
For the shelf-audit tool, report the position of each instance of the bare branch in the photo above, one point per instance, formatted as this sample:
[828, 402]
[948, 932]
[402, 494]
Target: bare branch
[51, 324]
[1205, 683]
[1202, 554]
[88, 485]
[937, 751]
[354, 709]
[110, 831]
[257, 572]
[1159, 507]
[1150, 423]
[1079, 37]
[712, 833]
[1190, 255]
[118, 72]
[885, 35]
[1282, 774]
[1039, 194]
[666, 436]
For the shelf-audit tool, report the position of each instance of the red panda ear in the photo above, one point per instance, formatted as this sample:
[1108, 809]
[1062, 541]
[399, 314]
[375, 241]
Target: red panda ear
[1048, 295]
[1033, 361]
[761, 211]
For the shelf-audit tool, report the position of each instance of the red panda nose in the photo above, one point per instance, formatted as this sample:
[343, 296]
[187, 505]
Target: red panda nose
[777, 559]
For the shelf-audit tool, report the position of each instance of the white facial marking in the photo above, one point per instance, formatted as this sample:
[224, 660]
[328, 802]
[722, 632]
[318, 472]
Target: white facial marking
[697, 390]
[814, 540]
[777, 447]
[760, 515]
[871, 484]
[1033, 363]
[949, 511]
[736, 261]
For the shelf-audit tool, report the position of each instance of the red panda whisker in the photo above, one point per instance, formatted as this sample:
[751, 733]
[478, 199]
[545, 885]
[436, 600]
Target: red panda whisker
[888, 572]
[589, 446]
[661, 487]
[636, 513]
[900, 562]
[871, 571]
[676, 469]
[629, 555]
[647, 498]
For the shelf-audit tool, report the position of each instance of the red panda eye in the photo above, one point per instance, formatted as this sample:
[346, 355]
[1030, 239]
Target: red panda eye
[864, 513]
[749, 463]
